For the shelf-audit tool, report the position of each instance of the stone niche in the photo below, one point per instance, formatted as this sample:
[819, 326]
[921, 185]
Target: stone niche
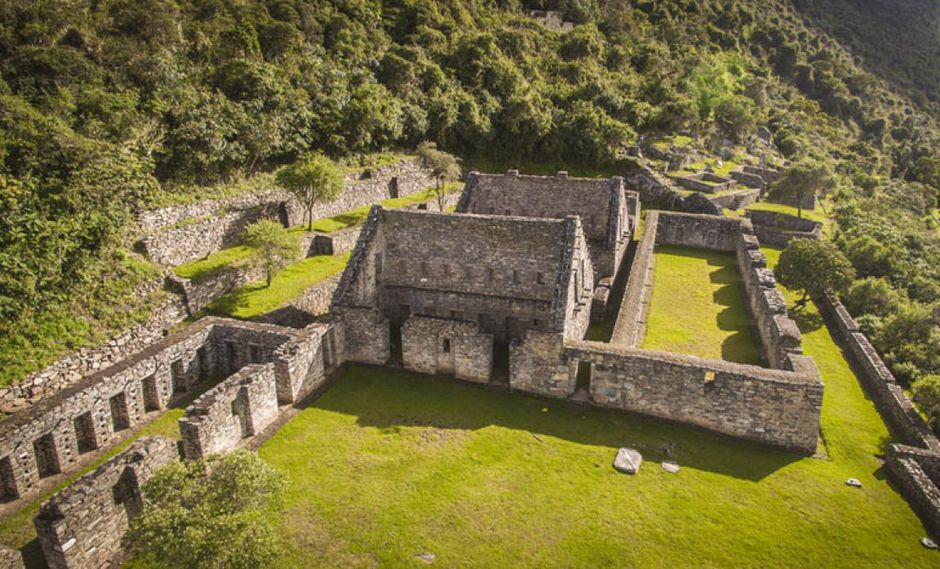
[447, 347]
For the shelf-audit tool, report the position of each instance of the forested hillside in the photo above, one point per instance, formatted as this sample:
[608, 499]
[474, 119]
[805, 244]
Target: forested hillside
[108, 107]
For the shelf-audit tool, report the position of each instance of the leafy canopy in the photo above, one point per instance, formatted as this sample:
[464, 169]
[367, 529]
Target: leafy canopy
[312, 179]
[206, 514]
[814, 268]
[273, 247]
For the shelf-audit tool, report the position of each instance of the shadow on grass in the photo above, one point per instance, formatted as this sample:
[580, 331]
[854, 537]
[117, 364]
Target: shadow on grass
[390, 400]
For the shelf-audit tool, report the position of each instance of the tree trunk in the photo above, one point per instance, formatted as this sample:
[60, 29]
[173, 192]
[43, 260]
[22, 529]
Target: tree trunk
[269, 276]
[799, 205]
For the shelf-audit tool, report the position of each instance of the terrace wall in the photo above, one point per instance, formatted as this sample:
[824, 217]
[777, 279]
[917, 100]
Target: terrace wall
[777, 229]
[82, 526]
[181, 234]
[72, 368]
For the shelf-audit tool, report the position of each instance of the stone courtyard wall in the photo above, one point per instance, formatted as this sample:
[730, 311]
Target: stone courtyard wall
[778, 229]
[914, 465]
[447, 347]
[775, 407]
[82, 526]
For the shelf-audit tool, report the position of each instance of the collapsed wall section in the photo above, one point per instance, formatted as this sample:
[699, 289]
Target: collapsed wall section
[82, 526]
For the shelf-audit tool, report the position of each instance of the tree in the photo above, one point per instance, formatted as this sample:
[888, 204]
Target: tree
[209, 514]
[311, 179]
[814, 267]
[273, 246]
[805, 178]
[873, 295]
[443, 167]
[927, 396]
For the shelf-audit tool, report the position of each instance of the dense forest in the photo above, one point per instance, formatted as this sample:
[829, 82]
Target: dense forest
[108, 107]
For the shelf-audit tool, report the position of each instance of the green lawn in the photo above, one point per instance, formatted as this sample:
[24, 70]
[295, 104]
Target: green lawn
[811, 214]
[17, 531]
[698, 306]
[222, 258]
[257, 298]
[387, 465]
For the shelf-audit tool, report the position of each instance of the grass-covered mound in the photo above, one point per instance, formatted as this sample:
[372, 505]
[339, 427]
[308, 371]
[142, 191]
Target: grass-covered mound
[698, 306]
[387, 465]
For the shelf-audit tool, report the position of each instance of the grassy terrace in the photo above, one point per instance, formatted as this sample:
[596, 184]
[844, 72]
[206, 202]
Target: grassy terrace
[698, 306]
[257, 298]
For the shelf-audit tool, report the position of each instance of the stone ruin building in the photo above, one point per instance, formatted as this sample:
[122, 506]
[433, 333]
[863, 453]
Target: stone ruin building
[501, 292]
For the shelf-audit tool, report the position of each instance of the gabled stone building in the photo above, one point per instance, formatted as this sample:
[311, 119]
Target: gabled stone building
[457, 288]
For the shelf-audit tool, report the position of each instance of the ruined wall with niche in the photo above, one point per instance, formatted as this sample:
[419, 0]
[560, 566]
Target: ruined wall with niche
[447, 347]
[83, 525]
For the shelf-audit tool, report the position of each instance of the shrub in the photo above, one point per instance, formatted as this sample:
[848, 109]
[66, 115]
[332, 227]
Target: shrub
[873, 296]
[927, 396]
[814, 268]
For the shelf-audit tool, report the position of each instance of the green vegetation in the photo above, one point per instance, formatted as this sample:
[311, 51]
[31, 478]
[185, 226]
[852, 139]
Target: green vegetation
[488, 479]
[804, 179]
[698, 306]
[259, 298]
[444, 167]
[927, 397]
[272, 247]
[312, 179]
[195, 512]
[814, 268]
[812, 215]
[220, 260]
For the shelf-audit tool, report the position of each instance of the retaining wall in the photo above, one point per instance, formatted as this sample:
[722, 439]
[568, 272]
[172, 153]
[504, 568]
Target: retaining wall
[181, 234]
[777, 229]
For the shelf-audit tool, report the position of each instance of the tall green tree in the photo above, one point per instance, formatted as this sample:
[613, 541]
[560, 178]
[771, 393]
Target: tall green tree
[311, 180]
[814, 268]
[273, 247]
[804, 179]
[209, 514]
[443, 167]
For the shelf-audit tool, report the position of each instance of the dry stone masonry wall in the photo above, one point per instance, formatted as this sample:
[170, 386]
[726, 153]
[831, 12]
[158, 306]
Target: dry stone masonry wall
[914, 464]
[83, 525]
[181, 234]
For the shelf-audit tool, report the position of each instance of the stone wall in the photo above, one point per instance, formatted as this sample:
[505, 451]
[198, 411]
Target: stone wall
[11, 558]
[779, 335]
[236, 409]
[181, 234]
[304, 309]
[777, 229]
[509, 273]
[537, 365]
[447, 347]
[696, 230]
[657, 190]
[914, 465]
[73, 367]
[82, 526]
[367, 335]
[607, 211]
[630, 327]
[770, 406]
[60, 433]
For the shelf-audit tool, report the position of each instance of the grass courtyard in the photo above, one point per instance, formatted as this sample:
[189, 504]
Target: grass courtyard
[387, 465]
[698, 307]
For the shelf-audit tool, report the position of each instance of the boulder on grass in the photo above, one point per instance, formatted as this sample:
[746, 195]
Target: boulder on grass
[628, 460]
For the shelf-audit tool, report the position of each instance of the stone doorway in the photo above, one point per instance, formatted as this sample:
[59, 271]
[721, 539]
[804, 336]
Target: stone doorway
[394, 344]
[500, 362]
